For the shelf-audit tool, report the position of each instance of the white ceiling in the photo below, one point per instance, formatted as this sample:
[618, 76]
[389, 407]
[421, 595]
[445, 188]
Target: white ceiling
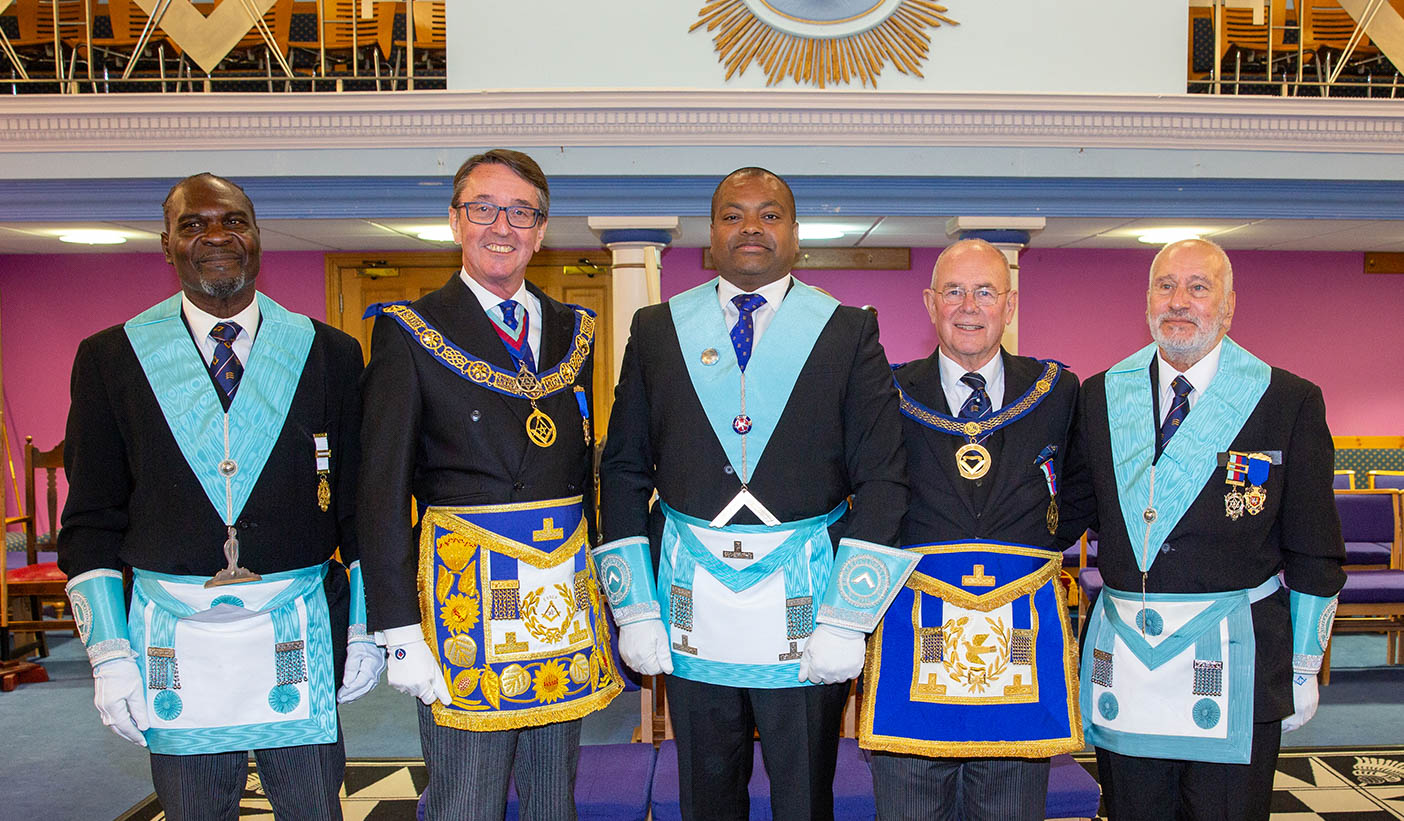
[572, 232]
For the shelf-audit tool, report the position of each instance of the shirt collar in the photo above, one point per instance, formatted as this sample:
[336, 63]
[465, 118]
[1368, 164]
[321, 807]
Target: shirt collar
[773, 293]
[951, 371]
[488, 299]
[1200, 374]
[201, 322]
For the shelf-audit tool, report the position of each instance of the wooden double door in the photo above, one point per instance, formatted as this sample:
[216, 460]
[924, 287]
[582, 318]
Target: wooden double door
[355, 281]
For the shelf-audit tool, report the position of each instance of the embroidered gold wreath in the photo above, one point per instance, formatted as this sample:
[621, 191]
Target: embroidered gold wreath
[548, 618]
[965, 660]
[821, 51]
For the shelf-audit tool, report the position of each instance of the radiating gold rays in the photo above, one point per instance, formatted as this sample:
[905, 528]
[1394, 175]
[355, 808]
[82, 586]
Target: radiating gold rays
[741, 39]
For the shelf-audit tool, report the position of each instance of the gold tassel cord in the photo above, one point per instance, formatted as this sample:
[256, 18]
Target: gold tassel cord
[742, 39]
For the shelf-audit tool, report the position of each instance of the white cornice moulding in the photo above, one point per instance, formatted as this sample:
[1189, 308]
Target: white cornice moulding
[454, 119]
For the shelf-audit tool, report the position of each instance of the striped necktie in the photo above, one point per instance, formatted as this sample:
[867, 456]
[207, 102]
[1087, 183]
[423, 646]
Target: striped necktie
[225, 366]
[977, 404]
[1179, 409]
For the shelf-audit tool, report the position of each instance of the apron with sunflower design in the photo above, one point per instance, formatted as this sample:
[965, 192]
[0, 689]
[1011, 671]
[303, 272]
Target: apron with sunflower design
[510, 604]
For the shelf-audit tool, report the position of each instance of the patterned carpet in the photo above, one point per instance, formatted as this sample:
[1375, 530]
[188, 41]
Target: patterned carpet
[1312, 785]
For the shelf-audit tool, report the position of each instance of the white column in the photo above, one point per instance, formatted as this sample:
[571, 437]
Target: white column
[637, 245]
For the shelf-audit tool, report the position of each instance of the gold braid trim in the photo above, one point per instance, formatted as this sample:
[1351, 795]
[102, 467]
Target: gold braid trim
[444, 517]
[997, 597]
[533, 386]
[531, 716]
[976, 429]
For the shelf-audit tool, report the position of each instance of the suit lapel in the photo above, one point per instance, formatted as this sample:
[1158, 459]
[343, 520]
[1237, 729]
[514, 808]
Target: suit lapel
[925, 387]
[557, 330]
[1019, 376]
[459, 316]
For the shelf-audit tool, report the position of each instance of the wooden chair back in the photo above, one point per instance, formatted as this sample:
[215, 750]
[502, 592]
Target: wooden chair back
[51, 462]
[1326, 25]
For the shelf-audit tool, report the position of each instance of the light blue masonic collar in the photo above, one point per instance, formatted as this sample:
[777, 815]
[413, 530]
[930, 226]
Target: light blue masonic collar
[186, 394]
[1155, 496]
[775, 363]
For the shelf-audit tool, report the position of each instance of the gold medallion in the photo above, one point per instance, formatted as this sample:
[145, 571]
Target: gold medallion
[540, 429]
[973, 461]
[323, 493]
[1052, 515]
[1255, 499]
[710, 356]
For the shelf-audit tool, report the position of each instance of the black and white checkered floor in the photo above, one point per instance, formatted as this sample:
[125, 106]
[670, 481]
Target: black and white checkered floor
[1321, 785]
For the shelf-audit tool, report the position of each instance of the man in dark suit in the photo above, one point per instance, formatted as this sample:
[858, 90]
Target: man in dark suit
[478, 407]
[755, 406]
[1212, 474]
[964, 730]
[212, 448]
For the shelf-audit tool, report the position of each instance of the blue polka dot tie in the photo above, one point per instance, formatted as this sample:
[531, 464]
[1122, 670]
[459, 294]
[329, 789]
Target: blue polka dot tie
[225, 366]
[743, 334]
[977, 404]
[1179, 409]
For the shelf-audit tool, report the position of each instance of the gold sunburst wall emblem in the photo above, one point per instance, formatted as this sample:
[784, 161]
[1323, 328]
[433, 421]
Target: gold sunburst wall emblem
[822, 42]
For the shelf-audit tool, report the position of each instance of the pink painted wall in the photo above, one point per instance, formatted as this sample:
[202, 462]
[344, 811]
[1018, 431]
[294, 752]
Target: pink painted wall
[1315, 314]
[50, 303]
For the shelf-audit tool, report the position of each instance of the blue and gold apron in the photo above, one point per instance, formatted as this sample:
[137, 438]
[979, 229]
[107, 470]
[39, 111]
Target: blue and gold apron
[974, 657]
[510, 604]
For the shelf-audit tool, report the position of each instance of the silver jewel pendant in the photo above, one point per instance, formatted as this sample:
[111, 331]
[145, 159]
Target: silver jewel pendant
[228, 467]
[710, 356]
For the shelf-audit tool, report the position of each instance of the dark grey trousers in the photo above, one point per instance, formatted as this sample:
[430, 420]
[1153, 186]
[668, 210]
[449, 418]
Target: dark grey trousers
[302, 783]
[469, 771]
[917, 788]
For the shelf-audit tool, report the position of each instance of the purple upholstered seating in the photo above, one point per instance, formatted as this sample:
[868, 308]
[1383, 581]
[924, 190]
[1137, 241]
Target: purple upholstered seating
[612, 784]
[1367, 525]
[853, 785]
[1072, 791]
[1343, 480]
[1072, 556]
[1373, 587]
[1387, 479]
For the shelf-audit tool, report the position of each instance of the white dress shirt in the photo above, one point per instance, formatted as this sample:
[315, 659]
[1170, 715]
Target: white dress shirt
[957, 391]
[1200, 374]
[201, 322]
[490, 301]
[773, 293]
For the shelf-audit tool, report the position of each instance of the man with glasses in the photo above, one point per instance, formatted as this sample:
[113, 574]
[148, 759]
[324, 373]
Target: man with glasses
[1212, 475]
[212, 449]
[478, 402]
[969, 677]
[755, 406]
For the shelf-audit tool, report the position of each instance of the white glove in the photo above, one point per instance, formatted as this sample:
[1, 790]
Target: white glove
[364, 664]
[1305, 698]
[120, 696]
[644, 647]
[832, 654]
[413, 671]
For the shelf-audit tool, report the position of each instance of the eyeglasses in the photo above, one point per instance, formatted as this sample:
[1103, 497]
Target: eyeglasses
[984, 297]
[485, 213]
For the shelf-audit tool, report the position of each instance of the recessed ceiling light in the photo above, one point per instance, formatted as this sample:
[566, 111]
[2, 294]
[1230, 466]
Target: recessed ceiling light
[435, 233]
[815, 231]
[92, 237]
[1165, 236]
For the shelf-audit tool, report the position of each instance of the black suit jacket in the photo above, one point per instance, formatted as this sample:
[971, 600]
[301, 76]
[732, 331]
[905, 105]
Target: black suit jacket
[1009, 503]
[839, 435]
[431, 434]
[1297, 533]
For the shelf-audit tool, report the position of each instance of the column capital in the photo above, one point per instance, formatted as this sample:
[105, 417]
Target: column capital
[612, 231]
